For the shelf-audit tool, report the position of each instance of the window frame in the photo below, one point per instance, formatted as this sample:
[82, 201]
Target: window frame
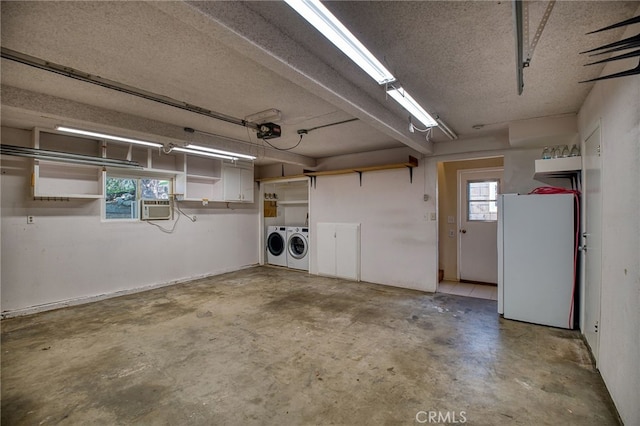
[137, 176]
[470, 201]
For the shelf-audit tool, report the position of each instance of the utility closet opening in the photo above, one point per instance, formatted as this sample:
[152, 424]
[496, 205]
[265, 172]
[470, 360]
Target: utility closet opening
[467, 226]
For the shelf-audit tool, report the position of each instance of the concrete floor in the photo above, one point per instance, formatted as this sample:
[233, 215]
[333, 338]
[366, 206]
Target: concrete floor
[277, 347]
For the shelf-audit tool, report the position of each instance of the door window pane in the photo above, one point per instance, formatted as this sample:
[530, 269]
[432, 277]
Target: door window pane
[482, 200]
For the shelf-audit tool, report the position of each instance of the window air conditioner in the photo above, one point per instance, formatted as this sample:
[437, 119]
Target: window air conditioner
[155, 209]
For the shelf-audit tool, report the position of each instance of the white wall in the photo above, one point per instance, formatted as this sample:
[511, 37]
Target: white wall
[616, 103]
[398, 245]
[70, 254]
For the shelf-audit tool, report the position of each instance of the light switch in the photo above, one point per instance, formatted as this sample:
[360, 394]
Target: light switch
[452, 233]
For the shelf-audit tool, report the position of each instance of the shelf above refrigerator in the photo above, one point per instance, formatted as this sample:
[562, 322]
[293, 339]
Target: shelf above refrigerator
[558, 167]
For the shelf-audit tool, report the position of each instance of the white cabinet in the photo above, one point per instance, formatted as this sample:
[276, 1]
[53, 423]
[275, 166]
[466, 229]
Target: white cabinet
[338, 247]
[196, 178]
[238, 183]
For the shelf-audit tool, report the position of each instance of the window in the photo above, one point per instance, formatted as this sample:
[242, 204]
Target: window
[482, 197]
[123, 195]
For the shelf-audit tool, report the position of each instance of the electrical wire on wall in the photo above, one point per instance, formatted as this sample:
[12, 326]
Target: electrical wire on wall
[177, 208]
[303, 132]
[284, 149]
[177, 205]
[165, 230]
[428, 130]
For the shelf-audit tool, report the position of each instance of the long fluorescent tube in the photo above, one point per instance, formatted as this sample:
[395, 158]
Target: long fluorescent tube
[105, 136]
[446, 129]
[203, 153]
[219, 151]
[65, 157]
[324, 21]
[404, 99]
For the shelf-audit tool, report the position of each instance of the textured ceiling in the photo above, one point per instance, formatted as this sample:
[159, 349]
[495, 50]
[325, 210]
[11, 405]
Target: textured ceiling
[238, 58]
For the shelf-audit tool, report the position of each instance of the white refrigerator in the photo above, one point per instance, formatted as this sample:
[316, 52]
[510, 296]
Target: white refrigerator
[536, 258]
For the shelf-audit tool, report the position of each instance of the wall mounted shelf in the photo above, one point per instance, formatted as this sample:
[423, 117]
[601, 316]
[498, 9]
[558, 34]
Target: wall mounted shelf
[196, 178]
[559, 168]
[413, 162]
[292, 202]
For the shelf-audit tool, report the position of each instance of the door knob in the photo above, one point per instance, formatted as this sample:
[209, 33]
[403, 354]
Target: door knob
[464, 231]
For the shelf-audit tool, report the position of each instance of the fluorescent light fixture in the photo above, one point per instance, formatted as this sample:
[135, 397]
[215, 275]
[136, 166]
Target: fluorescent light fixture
[105, 136]
[219, 151]
[324, 21]
[404, 99]
[268, 116]
[446, 129]
[203, 153]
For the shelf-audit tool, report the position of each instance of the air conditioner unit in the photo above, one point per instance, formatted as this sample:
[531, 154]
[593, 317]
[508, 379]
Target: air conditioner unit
[155, 209]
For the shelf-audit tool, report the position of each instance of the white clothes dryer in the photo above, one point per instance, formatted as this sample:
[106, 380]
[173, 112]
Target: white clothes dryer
[298, 247]
[277, 245]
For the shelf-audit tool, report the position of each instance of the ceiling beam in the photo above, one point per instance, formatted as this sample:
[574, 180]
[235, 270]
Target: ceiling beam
[242, 29]
[51, 111]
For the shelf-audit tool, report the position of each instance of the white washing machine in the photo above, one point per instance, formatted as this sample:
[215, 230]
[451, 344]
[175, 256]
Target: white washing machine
[298, 247]
[277, 245]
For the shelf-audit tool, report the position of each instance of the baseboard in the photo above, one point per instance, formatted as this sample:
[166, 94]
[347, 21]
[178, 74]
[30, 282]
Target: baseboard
[90, 299]
[610, 401]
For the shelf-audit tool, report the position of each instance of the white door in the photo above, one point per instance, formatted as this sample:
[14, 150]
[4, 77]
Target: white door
[232, 182]
[348, 251]
[478, 224]
[338, 248]
[325, 240]
[247, 183]
[592, 240]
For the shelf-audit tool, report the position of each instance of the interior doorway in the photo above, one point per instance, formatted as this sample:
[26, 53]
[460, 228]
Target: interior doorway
[478, 191]
[456, 214]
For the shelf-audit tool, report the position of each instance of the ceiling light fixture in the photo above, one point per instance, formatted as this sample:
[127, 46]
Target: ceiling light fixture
[324, 21]
[66, 157]
[203, 153]
[270, 115]
[219, 151]
[106, 136]
[446, 129]
[408, 103]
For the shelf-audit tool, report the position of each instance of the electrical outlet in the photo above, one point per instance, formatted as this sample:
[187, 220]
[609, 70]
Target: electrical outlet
[30, 220]
[433, 215]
